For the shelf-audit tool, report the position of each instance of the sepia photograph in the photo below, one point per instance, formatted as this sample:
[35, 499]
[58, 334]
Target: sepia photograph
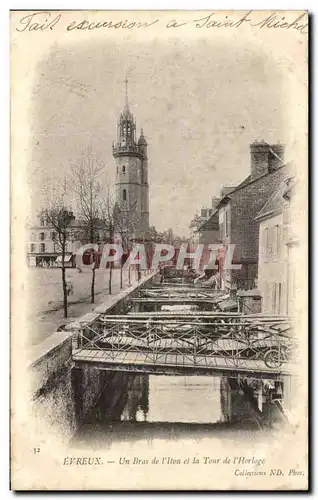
[159, 214]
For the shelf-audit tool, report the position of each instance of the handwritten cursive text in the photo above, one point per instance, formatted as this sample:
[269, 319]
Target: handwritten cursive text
[211, 22]
[272, 21]
[44, 21]
[86, 25]
[275, 21]
[47, 21]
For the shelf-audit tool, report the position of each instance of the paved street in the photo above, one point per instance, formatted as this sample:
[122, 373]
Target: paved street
[45, 294]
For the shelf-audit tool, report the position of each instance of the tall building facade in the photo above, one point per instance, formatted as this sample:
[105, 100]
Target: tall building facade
[132, 188]
[239, 207]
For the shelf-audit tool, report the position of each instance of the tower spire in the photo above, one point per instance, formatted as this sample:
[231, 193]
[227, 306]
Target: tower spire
[126, 94]
[131, 168]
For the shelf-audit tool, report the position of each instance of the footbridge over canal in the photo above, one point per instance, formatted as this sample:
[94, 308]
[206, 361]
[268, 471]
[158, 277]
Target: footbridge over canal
[196, 340]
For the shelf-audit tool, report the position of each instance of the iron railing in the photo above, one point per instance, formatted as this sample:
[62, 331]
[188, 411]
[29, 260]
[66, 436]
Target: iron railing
[178, 292]
[219, 341]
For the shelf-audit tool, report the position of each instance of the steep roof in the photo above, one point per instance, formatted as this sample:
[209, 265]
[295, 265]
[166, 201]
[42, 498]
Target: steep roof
[226, 189]
[247, 182]
[211, 222]
[274, 204]
[243, 183]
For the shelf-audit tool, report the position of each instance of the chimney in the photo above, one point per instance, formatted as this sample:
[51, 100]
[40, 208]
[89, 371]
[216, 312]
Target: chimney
[276, 156]
[265, 158]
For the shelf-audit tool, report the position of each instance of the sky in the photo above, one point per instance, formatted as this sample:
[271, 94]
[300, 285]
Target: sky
[200, 102]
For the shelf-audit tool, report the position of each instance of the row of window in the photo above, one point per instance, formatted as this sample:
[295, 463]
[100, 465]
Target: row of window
[43, 236]
[43, 248]
[273, 239]
[44, 221]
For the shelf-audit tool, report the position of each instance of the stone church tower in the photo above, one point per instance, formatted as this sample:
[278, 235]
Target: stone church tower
[132, 189]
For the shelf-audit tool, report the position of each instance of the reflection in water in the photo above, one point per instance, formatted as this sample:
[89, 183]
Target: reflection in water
[153, 398]
[145, 408]
[136, 399]
[184, 399]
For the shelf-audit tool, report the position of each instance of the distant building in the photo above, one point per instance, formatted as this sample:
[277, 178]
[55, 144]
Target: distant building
[43, 248]
[199, 229]
[208, 231]
[197, 221]
[238, 208]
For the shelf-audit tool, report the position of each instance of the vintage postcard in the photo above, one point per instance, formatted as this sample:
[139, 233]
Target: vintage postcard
[159, 323]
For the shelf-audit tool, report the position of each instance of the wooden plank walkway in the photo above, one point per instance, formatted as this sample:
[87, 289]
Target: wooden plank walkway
[149, 362]
[173, 300]
[185, 289]
[124, 341]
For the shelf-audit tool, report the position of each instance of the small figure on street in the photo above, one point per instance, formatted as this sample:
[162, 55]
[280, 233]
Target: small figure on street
[69, 288]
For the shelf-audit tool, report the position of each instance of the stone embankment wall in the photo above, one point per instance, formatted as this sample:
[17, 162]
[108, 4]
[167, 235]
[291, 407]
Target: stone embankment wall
[61, 394]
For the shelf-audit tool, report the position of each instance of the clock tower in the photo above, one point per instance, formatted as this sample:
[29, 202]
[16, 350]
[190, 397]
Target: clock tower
[132, 189]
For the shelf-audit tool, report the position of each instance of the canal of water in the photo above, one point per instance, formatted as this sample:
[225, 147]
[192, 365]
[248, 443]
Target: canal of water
[139, 407]
[152, 407]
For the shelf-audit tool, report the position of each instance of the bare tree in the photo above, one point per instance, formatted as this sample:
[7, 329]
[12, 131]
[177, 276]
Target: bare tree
[57, 215]
[107, 220]
[87, 189]
[120, 228]
[125, 226]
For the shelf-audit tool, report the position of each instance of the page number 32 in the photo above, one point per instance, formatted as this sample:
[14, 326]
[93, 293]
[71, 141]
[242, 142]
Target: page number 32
[36, 450]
